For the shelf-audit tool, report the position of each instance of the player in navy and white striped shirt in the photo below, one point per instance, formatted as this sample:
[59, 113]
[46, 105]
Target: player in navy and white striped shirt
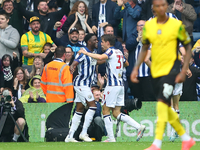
[86, 69]
[82, 83]
[114, 91]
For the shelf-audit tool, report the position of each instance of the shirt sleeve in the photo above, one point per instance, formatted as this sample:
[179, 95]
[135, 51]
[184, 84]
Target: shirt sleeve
[49, 40]
[24, 42]
[145, 39]
[79, 57]
[109, 52]
[183, 35]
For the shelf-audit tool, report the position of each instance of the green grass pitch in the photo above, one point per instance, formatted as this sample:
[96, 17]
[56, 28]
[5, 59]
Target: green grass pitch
[91, 146]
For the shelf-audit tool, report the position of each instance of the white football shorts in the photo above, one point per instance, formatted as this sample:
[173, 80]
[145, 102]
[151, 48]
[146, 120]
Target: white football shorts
[83, 94]
[113, 96]
[178, 89]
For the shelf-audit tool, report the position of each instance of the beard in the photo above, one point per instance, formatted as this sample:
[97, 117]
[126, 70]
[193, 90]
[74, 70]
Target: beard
[43, 12]
[36, 30]
[74, 40]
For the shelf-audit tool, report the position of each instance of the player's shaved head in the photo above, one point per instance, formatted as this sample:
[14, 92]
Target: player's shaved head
[160, 7]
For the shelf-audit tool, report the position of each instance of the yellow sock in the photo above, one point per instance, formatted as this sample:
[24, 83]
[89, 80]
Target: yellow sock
[175, 122]
[162, 113]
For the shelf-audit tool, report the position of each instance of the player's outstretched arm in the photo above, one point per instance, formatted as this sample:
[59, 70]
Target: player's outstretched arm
[95, 56]
[141, 58]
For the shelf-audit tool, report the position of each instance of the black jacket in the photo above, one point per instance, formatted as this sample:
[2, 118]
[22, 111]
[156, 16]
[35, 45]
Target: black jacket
[17, 112]
[47, 21]
[189, 86]
[70, 20]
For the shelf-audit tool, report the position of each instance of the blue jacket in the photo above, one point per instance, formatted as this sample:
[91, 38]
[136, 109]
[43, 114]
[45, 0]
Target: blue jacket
[131, 47]
[130, 18]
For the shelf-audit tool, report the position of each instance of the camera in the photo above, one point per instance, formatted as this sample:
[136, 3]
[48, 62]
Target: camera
[132, 104]
[5, 100]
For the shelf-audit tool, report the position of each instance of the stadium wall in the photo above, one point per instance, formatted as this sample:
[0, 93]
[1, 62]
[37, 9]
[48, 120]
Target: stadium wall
[36, 115]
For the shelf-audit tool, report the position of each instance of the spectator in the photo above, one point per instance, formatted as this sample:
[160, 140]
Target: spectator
[47, 19]
[73, 39]
[37, 67]
[20, 82]
[49, 54]
[196, 50]
[77, 16]
[34, 93]
[189, 86]
[72, 2]
[16, 18]
[56, 81]
[10, 131]
[9, 36]
[144, 89]
[185, 13]
[32, 43]
[69, 57]
[103, 14]
[131, 15]
[47, 47]
[82, 35]
[9, 65]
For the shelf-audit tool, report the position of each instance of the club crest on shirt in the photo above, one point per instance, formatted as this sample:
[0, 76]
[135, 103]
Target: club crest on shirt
[89, 96]
[119, 75]
[159, 31]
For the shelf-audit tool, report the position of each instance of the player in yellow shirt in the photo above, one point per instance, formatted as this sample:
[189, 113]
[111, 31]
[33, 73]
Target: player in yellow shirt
[164, 34]
[32, 43]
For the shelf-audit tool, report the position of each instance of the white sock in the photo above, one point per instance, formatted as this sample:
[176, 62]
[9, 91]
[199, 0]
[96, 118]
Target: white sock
[109, 126]
[127, 119]
[157, 142]
[15, 137]
[88, 119]
[76, 119]
[185, 137]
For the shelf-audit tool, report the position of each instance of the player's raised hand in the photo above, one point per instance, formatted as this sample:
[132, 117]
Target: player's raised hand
[81, 51]
[180, 77]
[134, 75]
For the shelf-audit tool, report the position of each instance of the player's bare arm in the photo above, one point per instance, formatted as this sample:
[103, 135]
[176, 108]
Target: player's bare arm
[95, 56]
[182, 75]
[141, 58]
[73, 66]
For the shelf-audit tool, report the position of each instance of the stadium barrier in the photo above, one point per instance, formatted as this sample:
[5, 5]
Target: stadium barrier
[36, 115]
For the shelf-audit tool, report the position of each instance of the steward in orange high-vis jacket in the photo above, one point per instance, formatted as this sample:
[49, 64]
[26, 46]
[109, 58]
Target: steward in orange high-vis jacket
[56, 81]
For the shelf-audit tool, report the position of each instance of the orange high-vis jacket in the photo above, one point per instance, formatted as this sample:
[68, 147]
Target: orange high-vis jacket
[56, 83]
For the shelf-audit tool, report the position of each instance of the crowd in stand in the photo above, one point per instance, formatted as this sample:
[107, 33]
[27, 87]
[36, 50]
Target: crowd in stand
[30, 29]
